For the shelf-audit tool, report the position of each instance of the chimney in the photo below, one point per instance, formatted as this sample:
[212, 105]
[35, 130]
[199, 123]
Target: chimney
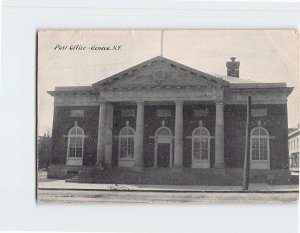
[233, 68]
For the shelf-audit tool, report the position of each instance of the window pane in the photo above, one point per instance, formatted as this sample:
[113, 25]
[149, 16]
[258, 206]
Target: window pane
[204, 154]
[163, 131]
[263, 144]
[127, 147]
[196, 152]
[255, 144]
[131, 147]
[72, 152]
[263, 154]
[79, 131]
[79, 142]
[204, 143]
[78, 152]
[255, 154]
[255, 132]
[72, 142]
[263, 132]
[200, 131]
[73, 131]
[123, 152]
[123, 143]
[123, 147]
[203, 131]
[130, 131]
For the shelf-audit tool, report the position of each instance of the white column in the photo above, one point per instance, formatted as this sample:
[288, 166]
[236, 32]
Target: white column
[178, 156]
[139, 135]
[219, 135]
[101, 134]
[108, 134]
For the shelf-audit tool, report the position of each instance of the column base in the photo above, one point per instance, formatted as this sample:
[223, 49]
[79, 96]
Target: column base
[219, 170]
[109, 166]
[138, 168]
[98, 164]
[220, 165]
[177, 169]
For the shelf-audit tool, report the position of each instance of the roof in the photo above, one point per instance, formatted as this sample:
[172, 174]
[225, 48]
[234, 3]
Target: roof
[160, 72]
[293, 132]
[247, 83]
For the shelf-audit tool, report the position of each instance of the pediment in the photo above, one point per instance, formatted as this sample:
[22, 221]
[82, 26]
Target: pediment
[159, 72]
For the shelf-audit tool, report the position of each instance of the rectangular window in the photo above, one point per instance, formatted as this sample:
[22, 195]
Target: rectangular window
[201, 112]
[77, 113]
[163, 113]
[259, 112]
[127, 112]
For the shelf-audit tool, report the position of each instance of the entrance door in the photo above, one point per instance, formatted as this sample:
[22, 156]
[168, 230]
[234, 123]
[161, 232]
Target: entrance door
[163, 154]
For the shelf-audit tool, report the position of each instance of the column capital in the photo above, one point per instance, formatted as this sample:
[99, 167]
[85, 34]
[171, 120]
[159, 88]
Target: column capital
[178, 102]
[140, 102]
[219, 102]
[103, 102]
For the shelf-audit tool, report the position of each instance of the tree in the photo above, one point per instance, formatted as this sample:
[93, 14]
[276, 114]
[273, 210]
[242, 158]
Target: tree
[44, 144]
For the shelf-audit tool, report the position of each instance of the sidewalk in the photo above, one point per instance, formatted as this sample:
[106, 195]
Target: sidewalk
[257, 187]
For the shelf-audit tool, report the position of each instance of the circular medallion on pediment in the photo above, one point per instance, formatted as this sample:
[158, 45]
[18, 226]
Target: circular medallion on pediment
[159, 76]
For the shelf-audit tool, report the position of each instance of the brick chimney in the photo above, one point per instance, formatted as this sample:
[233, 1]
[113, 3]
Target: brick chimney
[233, 68]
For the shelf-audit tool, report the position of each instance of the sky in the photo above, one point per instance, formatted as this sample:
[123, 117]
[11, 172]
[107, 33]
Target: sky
[265, 56]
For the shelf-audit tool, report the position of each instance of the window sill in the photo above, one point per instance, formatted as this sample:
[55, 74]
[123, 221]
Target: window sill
[126, 162]
[200, 164]
[259, 164]
[76, 161]
[126, 159]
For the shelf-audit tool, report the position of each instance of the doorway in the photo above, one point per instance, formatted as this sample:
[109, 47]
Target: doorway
[163, 155]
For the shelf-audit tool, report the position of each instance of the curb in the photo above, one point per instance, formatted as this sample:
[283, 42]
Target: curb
[174, 191]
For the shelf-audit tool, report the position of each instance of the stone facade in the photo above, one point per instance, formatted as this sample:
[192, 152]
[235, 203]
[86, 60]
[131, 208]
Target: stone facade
[164, 103]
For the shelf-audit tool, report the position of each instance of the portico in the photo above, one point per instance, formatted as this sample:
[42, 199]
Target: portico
[163, 135]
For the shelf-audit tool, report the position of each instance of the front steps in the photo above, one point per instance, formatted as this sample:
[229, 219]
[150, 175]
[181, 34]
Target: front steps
[158, 176]
[170, 176]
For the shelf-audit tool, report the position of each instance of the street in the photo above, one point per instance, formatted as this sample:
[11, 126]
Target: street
[103, 196]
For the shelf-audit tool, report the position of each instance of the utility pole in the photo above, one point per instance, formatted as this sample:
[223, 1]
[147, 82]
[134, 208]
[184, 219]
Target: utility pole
[162, 43]
[247, 147]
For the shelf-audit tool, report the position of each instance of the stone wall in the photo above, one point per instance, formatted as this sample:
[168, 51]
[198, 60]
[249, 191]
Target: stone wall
[234, 126]
[276, 124]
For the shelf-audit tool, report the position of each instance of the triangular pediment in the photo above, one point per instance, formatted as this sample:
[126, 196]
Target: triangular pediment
[159, 72]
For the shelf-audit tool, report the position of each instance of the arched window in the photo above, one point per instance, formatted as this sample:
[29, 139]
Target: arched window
[259, 144]
[201, 144]
[75, 142]
[163, 131]
[126, 142]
